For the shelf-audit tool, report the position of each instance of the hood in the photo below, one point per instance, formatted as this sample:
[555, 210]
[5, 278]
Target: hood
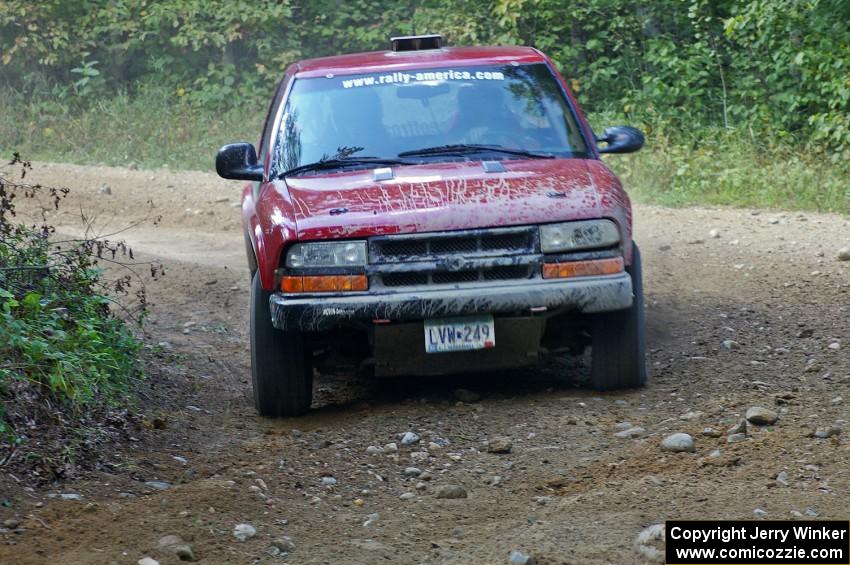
[447, 196]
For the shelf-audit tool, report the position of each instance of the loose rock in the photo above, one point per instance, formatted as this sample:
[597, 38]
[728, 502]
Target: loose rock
[407, 496]
[517, 557]
[631, 433]
[370, 519]
[168, 541]
[183, 551]
[739, 428]
[824, 433]
[409, 438]
[244, 531]
[500, 444]
[711, 432]
[284, 543]
[761, 416]
[844, 254]
[158, 485]
[67, 496]
[650, 541]
[735, 438]
[147, 561]
[678, 443]
[450, 491]
[412, 471]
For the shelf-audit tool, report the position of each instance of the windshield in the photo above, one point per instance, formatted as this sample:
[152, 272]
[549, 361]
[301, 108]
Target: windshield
[381, 115]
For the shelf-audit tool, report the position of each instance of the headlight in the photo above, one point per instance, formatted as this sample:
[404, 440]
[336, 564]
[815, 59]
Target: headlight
[571, 236]
[327, 254]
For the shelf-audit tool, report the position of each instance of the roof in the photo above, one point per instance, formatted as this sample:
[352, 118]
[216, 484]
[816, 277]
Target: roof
[387, 61]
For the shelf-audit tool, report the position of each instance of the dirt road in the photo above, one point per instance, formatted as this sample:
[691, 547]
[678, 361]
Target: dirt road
[752, 314]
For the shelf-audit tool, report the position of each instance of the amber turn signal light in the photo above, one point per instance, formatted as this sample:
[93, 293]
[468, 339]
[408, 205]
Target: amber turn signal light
[324, 283]
[592, 268]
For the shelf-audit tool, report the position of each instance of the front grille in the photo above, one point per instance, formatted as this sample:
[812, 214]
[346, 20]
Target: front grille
[454, 245]
[452, 258]
[507, 273]
[458, 277]
[506, 241]
[404, 248]
[470, 243]
[514, 272]
[405, 279]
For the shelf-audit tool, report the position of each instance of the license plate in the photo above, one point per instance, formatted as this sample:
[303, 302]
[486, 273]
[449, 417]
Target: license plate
[460, 334]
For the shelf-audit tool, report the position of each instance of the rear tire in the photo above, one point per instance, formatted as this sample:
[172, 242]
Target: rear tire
[619, 340]
[281, 375]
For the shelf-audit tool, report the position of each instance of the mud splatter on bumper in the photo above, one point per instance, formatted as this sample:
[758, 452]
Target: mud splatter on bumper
[318, 313]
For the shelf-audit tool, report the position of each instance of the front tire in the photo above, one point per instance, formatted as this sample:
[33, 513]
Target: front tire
[281, 375]
[619, 340]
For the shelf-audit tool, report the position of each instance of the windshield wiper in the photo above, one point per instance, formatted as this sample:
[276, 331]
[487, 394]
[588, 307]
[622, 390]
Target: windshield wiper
[341, 163]
[466, 148]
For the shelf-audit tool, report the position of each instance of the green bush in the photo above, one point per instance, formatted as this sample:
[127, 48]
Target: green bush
[59, 338]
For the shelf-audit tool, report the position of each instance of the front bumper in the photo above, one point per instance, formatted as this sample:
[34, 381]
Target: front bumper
[318, 313]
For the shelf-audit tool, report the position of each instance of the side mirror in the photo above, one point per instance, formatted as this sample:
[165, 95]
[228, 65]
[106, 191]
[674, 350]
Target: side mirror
[621, 139]
[238, 161]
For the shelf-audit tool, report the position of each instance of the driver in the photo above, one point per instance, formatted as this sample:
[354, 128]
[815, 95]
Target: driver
[484, 118]
[359, 116]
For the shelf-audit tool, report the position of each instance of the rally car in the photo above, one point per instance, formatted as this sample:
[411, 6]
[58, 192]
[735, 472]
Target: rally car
[429, 210]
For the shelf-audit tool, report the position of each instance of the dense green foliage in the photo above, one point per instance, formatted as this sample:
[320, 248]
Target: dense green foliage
[59, 340]
[780, 67]
[744, 101]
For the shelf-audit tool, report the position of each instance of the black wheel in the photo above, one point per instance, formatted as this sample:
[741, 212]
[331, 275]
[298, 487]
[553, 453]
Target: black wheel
[282, 377]
[619, 340]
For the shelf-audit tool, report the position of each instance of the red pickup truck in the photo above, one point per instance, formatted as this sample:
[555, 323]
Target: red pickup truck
[429, 210]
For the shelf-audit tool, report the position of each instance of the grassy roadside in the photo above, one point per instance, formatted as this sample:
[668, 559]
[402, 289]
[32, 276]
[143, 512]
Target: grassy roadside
[703, 166]
[148, 130]
[729, 168]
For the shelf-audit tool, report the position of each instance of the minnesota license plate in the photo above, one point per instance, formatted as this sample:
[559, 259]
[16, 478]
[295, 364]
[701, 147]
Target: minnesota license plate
[459, 334]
